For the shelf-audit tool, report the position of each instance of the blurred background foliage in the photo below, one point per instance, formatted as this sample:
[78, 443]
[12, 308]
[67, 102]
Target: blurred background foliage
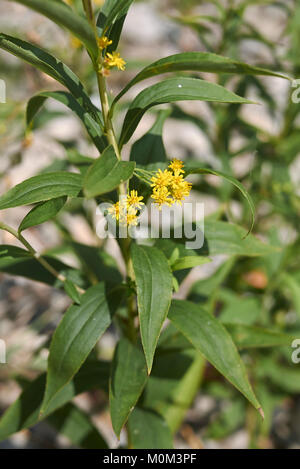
[258, 144]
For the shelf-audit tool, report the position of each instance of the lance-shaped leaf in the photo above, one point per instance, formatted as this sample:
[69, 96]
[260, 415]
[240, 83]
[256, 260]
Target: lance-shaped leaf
[233, 181]
[148, 430]
[41, 188]
[42, 212]
[219, 237]
[246, 336]
[174, 89]
[107, 173]
[128, 378]
[149, 153]
[64, 16]
[227, 238]
[154, 292]
[208, 336]
[17, 261]
[196, 62]
[283, 376]
[53, 67]
[291, 284]
[75, 337]
[73, 423]
[150, 149]
[188, 262]
[171, 389]
[25, 411]
[111, 11]
[93, 128]
[72, 291]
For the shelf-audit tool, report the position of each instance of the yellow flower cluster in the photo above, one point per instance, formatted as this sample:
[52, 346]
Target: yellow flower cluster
[110, 59]
[126, 210]
[169, 186]
[103, 42]
[114, 60]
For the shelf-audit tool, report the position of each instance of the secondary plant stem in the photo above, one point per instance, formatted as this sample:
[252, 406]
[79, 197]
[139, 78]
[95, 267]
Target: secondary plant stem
[36, 255]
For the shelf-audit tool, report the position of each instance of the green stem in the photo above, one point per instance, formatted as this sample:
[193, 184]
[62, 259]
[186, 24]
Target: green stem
[105, 110]
[88, 8]
[111, 137]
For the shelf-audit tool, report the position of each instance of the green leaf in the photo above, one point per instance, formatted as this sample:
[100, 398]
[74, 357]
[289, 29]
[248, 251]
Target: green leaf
[229, 419]
[42, 212]
[209, 337]
[98, 264]
[227, 238]
[238, 309]
[78, 159]
[189, 262]
[18, 262]
[285, 377]
[149, 149]
[128, 378]
[171, 389]
[64, 16]
[9, 253]
[75, 337]
[196, 62]
[111, 11]
[171, 340]
[220, 237]
[71, 290]
[252, 337]
[207, 287]
[73, 423]
[233, 181]
[293, 286]
[148, 430]
[53, 67]
[25, 411]
[41, 188]
[168, 91]
[91, 125]
[154, 293]
[149, 153]
[107, 173]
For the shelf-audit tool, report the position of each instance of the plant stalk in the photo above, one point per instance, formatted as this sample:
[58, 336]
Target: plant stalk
[111, 137]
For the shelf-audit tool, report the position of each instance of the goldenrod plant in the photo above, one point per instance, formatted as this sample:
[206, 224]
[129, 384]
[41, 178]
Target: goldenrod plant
[163, 344]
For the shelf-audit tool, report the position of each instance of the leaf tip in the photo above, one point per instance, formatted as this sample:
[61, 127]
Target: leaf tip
[260, 410]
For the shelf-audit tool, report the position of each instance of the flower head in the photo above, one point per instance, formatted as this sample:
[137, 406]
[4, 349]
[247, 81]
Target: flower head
[103, 42]
[134, 200]
[161, 179]
[176, 166]
[181, 191]
[161, 195]
[125, 211]
[131, 217]
[116, 210]
[169, 186]
[114, 60]
[177, 180]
